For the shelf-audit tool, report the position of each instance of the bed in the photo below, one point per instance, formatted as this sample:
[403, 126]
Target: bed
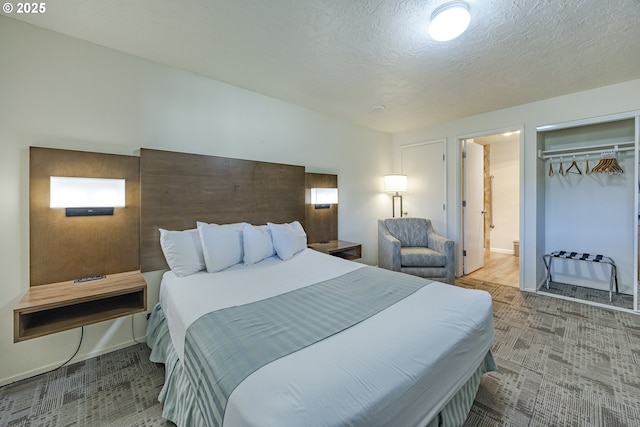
[363, 346]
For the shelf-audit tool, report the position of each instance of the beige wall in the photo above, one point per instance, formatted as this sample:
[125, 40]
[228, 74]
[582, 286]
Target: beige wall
[60, 92]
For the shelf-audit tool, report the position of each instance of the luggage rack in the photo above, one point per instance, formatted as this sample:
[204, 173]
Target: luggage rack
[547, 258]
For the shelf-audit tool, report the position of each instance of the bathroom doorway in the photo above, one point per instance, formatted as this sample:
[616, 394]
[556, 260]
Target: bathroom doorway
[491, 207]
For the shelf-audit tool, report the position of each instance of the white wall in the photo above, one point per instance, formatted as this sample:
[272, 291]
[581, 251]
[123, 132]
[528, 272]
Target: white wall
[597, 102]
[60, 92]
[505, 167]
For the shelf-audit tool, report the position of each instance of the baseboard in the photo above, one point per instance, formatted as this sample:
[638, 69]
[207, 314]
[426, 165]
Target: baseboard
[502, 251]
[79, 358]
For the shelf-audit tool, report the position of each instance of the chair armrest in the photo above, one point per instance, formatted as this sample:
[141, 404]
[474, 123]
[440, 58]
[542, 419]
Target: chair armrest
[444, 246]
[438, 243]
[388, 249]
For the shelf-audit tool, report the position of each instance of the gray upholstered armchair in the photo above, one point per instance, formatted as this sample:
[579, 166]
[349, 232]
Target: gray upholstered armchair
[412, 246]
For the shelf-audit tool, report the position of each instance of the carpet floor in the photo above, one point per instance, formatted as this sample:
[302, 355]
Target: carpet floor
[560, 363]
[116, 389]
[589, 294]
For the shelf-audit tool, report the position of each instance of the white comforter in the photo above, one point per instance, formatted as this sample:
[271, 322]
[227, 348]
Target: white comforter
[399, 367]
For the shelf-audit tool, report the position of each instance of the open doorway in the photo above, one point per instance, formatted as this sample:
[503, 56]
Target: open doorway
[491, 207]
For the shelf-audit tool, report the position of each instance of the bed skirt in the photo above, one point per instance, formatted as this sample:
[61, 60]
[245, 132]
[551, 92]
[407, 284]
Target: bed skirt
[179, 402]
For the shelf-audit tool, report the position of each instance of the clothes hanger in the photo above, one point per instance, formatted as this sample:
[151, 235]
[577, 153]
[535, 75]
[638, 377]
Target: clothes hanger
[551, 173]
[587, 171]
[599, 167]
[574, 168]
[608, 165]
[615, 168]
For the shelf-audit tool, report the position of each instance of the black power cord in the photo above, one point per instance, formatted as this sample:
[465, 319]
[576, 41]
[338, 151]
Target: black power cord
[133, 335]
[74, 354]
[80, 344]
[77, 349]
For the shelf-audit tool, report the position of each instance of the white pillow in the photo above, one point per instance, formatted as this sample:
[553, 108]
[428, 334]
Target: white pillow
[288, 239]
[257, 243]
[221, 244]
[182, 250]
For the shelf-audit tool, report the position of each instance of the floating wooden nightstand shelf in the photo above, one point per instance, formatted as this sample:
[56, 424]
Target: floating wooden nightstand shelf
[56, 307]
[339, 248]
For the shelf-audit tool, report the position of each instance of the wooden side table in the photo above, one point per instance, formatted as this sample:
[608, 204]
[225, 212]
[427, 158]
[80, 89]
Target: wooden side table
[47, 309]
[339, 248]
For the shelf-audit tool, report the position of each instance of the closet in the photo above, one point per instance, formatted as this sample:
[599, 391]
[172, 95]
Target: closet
[588, 176]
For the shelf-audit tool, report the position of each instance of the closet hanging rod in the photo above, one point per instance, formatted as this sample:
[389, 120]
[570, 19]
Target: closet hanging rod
[589, 147]
[581, 151]
[571, 156]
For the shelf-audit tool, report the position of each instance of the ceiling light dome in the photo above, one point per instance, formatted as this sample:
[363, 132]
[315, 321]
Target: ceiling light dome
[449, 21]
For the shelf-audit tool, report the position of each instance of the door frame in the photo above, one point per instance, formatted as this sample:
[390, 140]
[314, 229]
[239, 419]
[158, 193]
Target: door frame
[460, 192]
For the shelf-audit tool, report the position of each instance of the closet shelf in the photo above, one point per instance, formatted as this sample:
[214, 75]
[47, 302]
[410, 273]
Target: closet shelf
[573, 152]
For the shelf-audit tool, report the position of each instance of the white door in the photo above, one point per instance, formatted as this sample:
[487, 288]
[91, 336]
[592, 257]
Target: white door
[473, 206]
[424, 165]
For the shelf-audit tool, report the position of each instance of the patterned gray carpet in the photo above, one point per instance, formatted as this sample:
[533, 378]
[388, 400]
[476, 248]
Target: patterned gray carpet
[589, 294]
[561, 363]
[116, 389]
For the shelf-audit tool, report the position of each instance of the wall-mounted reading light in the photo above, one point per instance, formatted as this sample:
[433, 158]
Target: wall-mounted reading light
[395, 184]
[87, 196]
[323, 197]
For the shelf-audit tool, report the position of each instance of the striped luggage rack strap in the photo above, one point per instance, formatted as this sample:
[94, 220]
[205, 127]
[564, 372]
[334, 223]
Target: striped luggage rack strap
[580, 256]
[613, 280]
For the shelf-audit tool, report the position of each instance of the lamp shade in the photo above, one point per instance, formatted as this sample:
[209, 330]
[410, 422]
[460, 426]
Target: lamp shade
[72, 192]
[449, 21]
[324, 196]
[395, 183]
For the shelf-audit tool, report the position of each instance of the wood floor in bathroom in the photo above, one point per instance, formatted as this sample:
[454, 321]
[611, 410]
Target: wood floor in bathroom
[499, 268]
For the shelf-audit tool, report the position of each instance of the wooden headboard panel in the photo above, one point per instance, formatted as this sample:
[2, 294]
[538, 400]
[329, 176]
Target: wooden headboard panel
[178, 189]
[322, 224]
[64, 248]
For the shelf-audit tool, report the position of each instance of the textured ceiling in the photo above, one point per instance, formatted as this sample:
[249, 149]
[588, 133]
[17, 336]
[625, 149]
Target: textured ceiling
[342, 57]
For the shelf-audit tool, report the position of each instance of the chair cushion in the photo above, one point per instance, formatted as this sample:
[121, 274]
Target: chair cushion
[410, 231]
[421, 257]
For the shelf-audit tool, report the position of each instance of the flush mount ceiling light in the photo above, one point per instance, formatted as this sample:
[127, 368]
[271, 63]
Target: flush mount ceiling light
[449, 20]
